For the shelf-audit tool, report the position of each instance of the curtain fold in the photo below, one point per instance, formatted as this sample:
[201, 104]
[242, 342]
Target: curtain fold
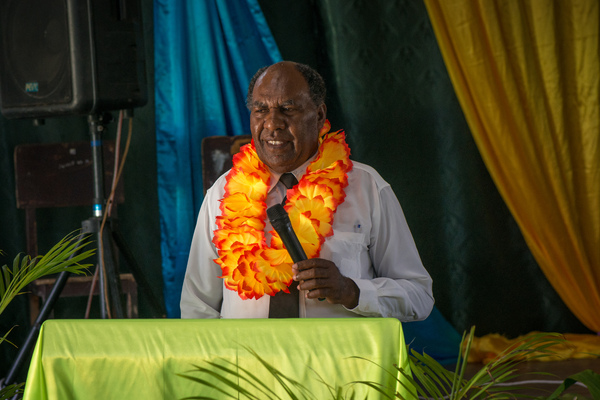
[205, 54]
[527, 76]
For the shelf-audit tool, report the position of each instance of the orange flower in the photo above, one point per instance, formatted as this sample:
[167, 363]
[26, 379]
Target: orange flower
[239, 205]
[326, 127]
[313, 191]
[317, 214]
[276, 253]
[251, 184]
[247, 160]
[307, 236]
[337, 150]
[225, 239]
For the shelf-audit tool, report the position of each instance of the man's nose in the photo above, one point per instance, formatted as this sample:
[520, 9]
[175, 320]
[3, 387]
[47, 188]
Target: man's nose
[274, 120]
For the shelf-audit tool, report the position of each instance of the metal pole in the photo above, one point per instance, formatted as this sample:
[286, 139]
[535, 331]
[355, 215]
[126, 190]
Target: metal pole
[107, 275]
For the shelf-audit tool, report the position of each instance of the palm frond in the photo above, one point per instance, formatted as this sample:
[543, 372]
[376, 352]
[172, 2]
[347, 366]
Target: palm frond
[227, 382]
[436, 379]
[240, 380]
[4, 338]
[221, 373]
[282, 379]
[336, 392]
[432, 380]
[588, 377]
[378, 387]
[10, 391]
[423, 377]
[66, 255]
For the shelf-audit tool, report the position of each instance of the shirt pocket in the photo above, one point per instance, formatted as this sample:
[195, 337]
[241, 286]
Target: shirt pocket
[349, 251]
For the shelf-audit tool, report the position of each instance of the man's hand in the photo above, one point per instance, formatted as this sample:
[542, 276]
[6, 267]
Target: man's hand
[322, 279]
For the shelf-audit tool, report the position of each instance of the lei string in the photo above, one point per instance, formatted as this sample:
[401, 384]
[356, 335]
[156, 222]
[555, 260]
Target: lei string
[250, 266]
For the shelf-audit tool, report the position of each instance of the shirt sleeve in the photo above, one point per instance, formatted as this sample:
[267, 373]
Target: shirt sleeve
[202, 292]
[401, 287]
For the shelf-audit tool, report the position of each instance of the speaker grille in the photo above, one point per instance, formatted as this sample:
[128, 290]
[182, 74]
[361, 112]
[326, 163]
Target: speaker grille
[35, 50]
[61, 57]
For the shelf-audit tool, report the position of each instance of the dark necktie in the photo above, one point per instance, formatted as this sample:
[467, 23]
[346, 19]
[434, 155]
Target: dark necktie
[286, 305]
[289, 181]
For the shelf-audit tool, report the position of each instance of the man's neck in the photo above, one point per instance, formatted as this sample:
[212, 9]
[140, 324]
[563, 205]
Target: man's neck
[298, 172]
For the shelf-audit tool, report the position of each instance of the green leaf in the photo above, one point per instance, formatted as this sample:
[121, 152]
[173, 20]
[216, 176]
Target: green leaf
[376, 386]
[10, 391]
[208, 384]
[252, 380]
[429, 379]
[587, 377]
[4, 339]
[61, 257]
[432, 371]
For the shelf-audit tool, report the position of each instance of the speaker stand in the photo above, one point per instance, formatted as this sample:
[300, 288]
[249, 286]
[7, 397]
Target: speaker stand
[107, 271]
[110, 236]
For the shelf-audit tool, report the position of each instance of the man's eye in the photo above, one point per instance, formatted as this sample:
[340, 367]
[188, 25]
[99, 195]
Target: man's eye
[260, 110]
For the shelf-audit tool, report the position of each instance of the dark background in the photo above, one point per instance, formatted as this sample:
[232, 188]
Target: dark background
[389, 89]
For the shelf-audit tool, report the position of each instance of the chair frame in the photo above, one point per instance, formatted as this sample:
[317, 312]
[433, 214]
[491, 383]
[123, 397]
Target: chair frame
[60, 175]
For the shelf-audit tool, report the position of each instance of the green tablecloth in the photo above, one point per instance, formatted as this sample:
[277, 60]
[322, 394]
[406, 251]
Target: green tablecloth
[141, 359]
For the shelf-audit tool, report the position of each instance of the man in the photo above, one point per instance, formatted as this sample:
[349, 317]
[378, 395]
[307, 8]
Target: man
[362, 260]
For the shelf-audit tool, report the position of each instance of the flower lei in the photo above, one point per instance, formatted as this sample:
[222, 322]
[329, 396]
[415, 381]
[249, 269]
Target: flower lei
[249, 266]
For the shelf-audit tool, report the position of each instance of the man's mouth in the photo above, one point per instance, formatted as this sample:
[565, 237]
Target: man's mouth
[275, 142]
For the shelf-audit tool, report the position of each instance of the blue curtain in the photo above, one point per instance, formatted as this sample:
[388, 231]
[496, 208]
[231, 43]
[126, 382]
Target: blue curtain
[205, 54]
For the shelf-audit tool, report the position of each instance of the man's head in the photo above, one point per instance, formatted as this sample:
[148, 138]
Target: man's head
[287, 110]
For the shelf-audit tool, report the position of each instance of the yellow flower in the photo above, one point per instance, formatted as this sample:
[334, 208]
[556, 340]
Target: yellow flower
[252, 185]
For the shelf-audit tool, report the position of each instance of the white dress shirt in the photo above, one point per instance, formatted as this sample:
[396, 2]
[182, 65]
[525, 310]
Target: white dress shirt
[371, 244]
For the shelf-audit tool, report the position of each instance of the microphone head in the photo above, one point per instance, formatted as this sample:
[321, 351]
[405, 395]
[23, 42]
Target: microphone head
[277, 213]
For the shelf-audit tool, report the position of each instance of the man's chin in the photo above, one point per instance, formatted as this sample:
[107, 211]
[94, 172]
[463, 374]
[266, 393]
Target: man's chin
[277, 161]
[281, 167]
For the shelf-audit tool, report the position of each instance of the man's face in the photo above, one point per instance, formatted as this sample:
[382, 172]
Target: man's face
[284, 120]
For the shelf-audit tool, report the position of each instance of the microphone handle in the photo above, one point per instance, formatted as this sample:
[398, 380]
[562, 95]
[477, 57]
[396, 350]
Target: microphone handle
[292, 244]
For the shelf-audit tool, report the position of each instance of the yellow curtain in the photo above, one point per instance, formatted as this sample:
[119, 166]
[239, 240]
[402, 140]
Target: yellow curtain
[526, 73]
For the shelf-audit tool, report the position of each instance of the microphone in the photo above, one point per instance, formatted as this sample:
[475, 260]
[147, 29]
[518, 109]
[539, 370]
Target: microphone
[283, 226]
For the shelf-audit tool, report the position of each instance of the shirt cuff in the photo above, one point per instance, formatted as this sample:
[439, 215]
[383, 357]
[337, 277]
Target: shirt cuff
[368, 304]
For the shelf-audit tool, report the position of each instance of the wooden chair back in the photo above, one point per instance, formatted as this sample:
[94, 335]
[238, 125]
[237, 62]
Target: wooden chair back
[217, 155]
[51, 175]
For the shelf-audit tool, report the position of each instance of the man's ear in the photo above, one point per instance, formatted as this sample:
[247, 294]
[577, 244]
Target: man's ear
[321, 115]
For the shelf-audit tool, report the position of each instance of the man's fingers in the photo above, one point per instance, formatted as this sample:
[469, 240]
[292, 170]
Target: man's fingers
[313, 284]
[317, 294]
[314, 269]
[310, 274]
[320, 278]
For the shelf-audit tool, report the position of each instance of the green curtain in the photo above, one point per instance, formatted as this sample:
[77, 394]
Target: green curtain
[390, 90]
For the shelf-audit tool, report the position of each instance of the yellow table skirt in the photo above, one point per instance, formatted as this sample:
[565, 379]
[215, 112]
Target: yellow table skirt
[141, 359]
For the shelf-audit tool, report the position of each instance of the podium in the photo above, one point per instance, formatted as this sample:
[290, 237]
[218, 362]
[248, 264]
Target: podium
[143, 358]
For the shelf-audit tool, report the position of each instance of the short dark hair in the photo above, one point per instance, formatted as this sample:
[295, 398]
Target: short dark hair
[316, 84]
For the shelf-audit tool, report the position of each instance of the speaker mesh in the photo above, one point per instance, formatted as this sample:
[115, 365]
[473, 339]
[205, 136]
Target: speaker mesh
[35, 50]
[60, 57]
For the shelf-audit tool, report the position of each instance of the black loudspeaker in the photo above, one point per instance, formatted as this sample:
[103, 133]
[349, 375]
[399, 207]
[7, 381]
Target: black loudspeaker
[70, 57]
